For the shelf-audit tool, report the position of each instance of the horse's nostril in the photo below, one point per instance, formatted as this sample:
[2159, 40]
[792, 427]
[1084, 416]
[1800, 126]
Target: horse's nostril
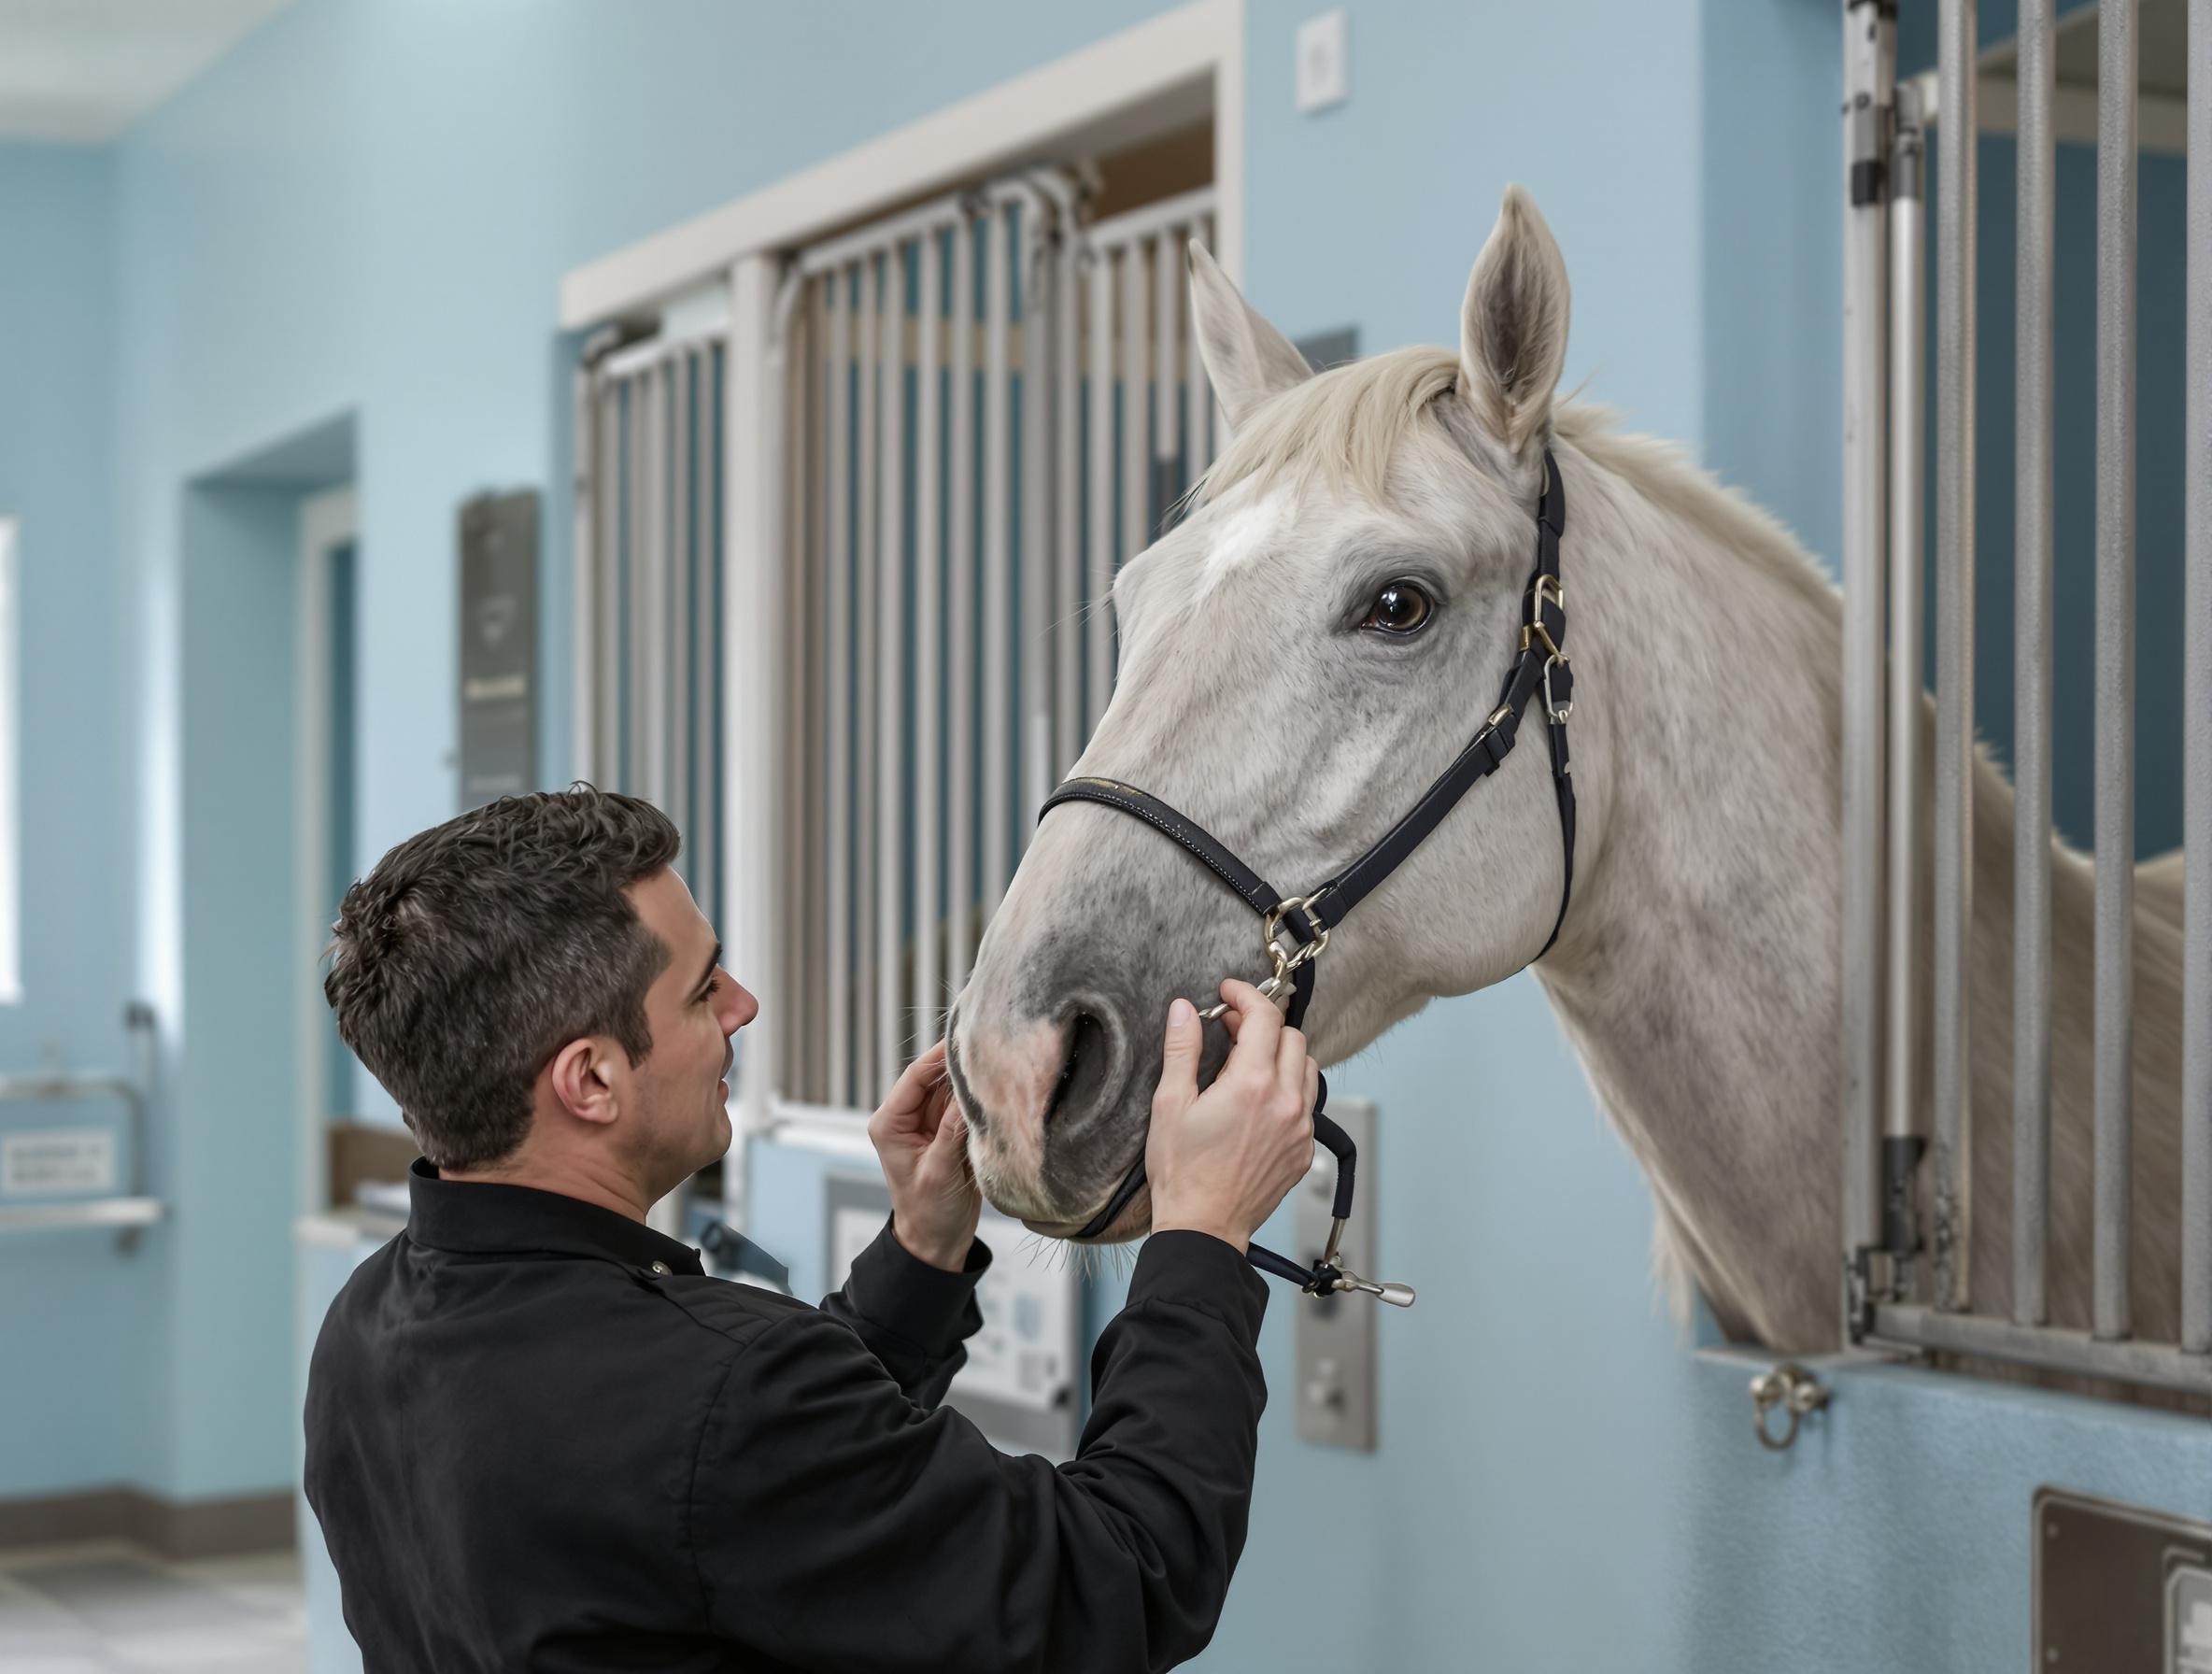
[1084, 1066]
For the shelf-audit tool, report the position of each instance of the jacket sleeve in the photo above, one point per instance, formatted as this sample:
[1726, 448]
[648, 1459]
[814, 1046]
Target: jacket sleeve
[837, 1525]
[915, 1318]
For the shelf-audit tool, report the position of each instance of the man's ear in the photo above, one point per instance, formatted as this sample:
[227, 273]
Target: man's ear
[586, 1077]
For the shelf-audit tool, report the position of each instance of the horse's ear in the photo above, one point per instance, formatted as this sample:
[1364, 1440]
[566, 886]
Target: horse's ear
[1513, 329]
[1247, 359]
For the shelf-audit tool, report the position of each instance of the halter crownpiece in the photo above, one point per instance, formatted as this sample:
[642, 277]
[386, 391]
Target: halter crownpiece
[1305, 921]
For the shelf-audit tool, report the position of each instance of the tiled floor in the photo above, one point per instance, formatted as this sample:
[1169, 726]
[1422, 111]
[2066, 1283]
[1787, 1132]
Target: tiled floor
[112, 1609]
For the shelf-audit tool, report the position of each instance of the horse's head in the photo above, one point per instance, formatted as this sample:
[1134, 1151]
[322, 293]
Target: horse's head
[1300, 657]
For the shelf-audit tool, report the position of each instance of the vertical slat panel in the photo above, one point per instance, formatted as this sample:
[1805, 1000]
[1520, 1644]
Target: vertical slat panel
[589, 489]
[1136, 458]
[1195, 390]
[652, 597]
[1865, 295]
[2196, 982]
[929, 608]
[997, 649]
[706, 632]
[2031, 676]
[838, 637]
[635, 758]
[810, 1070]
[801, 678]
[2116, 656]
[961, 530]
[1068, 596]
[1954, 662]
[1167, 412]
[1906, 409]
[1099, 585]
[607, 654]
[682, 605]
[1036, 525]
[715, 584]
[890, 1013]
[868, 649]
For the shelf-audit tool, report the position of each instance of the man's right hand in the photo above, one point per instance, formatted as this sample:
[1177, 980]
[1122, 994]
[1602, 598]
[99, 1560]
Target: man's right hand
[1221, 1161]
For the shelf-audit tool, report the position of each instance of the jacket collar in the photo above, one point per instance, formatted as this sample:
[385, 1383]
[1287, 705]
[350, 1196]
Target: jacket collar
[478, 1217]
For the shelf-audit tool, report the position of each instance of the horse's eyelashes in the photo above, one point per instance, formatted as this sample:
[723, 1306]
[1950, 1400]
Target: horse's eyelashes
[1400, 607]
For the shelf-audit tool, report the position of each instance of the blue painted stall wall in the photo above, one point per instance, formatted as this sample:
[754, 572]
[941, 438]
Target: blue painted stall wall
[76, 1316]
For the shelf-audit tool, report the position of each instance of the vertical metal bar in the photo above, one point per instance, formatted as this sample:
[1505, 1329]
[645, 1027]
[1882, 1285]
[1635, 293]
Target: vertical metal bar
[869, 651]
[998, 494]
[1905, 411]
[891, 1031]
[652, 599]
[588, 489]
[706, 633]
[2116, 656]
[1036, 544]
[1068, 601]
[2196, 792]
[1167, 412]
[682, 605]
[1954, 656]
[606, 685]
[810, 1074]
[1099, 589]
[636, 757]
[799, 426]
[961, 530]
[838, 634]
[1136, 453]
[1194, 389]
[1865, 292]
[2031, 676]
[928, 623]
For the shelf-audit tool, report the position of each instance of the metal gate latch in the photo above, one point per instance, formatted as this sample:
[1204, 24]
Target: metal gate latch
[1793, 1389]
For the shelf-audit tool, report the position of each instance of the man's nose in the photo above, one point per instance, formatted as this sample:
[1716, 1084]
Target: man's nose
[743, 1007]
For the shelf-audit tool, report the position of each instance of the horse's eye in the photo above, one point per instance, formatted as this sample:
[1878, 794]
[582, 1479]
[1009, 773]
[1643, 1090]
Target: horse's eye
[1399, 608]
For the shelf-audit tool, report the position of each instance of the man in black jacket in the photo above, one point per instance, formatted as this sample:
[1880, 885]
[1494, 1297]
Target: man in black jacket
[539, 1437]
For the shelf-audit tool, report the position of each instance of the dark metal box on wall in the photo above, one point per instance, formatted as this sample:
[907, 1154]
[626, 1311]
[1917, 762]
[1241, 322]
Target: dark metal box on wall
[2120, 1589]
[499, 645]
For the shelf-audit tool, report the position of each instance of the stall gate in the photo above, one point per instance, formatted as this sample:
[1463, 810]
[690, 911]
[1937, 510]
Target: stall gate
[1893, 1295]
[992, 406]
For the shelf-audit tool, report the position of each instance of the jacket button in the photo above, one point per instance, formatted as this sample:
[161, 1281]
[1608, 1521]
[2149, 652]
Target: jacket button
[660, 1267]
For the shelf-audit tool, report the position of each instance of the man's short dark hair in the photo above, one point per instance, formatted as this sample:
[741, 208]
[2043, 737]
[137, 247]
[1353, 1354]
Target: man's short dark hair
[478, 949]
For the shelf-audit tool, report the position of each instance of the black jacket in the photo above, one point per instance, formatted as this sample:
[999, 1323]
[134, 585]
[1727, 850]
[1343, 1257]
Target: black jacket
[540, 1437]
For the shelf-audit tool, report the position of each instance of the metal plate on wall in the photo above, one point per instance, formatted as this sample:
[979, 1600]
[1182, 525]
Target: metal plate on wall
[499, 645]
[2118, 1589]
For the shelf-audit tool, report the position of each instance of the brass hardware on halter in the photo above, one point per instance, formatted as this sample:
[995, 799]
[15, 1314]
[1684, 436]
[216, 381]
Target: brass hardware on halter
[1534, 632]
[1277, 984]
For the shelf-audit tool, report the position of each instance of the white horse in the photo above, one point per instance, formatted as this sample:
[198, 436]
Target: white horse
[1697, 970]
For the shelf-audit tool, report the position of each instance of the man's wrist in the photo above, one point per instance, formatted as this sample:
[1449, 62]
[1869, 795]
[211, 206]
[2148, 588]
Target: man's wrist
[1169, 1221]
[947, 1254]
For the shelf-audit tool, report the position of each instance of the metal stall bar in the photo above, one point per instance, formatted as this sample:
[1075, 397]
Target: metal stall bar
[588, 489]
[960, 757]
[2160, 1366]
[2031, 676]
[707, 646]
[651, 643]
[1868, 64]
[998, 576]
[928, 619]
[810, 1070]
[1166, 411]
[1068, 596]
[682, 604]
[1097, 592]
[1038, 301]
[2116, 657]
[2196, 982]
[1908, 435]
[868, 650]
[801, 676]
[891, 1032]
[1136, 456]
[838, 638]
[607, 690]
[1954, 654]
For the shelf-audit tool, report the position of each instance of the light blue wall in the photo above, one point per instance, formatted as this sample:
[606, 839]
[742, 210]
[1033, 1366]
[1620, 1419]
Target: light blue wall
[76, 1316]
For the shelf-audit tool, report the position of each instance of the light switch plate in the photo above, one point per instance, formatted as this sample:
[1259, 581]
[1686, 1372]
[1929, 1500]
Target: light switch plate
[1335, 1349]
[1324, 69]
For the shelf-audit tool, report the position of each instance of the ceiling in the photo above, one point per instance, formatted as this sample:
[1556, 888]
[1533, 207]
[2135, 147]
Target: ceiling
[86, 70]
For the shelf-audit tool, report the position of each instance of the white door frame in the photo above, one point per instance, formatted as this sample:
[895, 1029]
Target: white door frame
[327, 520]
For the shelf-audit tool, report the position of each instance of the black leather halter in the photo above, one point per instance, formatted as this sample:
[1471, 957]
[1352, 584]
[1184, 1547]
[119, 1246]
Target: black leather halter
[1304, 922]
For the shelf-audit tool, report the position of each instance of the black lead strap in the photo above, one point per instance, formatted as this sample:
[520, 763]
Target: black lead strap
[1539, 667]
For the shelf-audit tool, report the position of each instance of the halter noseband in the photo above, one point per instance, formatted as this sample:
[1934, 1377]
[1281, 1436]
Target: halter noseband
[1306, 920]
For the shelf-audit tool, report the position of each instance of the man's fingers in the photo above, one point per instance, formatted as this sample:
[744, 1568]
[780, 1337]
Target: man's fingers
[907, 1103]
[1260, 1028]
[1178, 1056]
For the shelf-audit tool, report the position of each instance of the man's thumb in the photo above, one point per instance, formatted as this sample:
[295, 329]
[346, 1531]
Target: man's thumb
[1179, 1057]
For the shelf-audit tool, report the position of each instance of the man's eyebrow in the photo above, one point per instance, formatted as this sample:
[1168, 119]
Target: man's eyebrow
[705, 976]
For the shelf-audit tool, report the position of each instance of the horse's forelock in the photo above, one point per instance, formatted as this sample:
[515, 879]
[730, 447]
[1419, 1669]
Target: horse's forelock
[1341, 429]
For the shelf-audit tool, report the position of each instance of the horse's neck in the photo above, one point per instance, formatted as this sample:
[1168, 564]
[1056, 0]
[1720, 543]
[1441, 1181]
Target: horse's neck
[1698, 974]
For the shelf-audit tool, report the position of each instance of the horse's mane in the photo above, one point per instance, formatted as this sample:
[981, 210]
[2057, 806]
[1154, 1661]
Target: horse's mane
[1346, 429]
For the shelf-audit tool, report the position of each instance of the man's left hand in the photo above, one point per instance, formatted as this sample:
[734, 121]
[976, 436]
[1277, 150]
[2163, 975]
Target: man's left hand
[922, 1141]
